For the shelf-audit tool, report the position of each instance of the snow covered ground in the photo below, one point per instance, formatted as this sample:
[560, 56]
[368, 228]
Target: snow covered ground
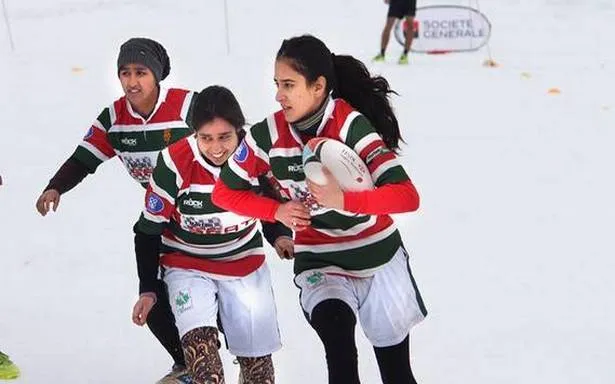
[511, 248]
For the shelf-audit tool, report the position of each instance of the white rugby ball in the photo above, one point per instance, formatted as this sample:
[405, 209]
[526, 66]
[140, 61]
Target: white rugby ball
[343, 163]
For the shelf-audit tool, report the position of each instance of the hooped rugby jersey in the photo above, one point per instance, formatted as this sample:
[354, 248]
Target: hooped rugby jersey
[120, 131]
[196, 234]
[340, 241]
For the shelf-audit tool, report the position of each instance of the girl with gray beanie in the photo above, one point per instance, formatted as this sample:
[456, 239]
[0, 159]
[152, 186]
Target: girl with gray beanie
[135, 128]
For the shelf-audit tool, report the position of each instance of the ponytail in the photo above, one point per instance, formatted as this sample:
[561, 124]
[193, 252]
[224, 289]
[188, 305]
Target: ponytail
[368, 95]
[347, 78]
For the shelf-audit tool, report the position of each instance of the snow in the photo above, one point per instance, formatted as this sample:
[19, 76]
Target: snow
[512, 247]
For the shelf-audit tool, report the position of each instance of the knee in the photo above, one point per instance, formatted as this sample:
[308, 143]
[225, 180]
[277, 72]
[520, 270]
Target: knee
[200, 347]
[257, 370]
[333, 317]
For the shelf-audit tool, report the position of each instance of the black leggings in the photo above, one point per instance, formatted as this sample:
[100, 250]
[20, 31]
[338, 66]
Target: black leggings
[162, 324]
[334, 322]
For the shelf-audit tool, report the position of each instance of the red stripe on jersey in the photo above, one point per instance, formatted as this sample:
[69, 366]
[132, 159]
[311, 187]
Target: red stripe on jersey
[334, 125]
[285, 138]
[172, 106]
[239, 268]
[182, 155]
[100, 140]
[310, 236]
[169, 110]
[379, 160]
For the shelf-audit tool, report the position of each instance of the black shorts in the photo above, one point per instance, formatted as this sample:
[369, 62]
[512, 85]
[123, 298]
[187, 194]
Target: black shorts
[400, 9]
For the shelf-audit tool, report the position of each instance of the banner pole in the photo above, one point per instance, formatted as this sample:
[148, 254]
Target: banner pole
[8, 25]
[226, 29]
[489, 62]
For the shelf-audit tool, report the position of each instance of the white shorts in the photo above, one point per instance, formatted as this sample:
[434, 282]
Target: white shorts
[246, 307]
[388, 304]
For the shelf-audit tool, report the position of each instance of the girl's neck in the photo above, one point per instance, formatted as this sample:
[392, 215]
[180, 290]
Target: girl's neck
[146, 108]
[310, 123]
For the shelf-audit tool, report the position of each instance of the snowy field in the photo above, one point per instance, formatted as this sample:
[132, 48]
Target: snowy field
[511, 247]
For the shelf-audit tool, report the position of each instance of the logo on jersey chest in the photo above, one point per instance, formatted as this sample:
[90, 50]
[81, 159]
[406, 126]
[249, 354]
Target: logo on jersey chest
[193, 203]
[129, 142]
[295, 168]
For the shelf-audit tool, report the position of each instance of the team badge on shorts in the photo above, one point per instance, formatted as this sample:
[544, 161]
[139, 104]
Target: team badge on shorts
[315, 278]
[183, 301]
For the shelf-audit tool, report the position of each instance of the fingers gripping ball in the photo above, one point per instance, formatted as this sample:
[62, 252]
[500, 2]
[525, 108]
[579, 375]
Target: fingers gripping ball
[344, 164]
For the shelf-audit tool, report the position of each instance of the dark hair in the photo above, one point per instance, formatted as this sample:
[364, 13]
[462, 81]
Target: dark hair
[217, 101]
[347, 78]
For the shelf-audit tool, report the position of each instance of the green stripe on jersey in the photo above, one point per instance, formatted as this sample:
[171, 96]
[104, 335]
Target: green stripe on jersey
[164, 177]
[356, 259]
[260, 133]
[359, 128]
[87, 158]
[232, 180]
[287, 168]
[255, 242]
[146, 141]
[149, 227]
[335, 220]
[105, 119]
[397, 174]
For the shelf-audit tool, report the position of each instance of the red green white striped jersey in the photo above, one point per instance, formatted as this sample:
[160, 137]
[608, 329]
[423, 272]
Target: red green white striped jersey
[120, 131]
[196, 234]
[339, 241]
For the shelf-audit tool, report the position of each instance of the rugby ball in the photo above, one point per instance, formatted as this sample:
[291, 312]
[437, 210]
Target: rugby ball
[343, 163]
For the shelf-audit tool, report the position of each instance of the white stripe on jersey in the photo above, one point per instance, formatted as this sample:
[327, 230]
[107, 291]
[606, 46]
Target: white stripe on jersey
[349, 119]
[285, 152]
[115, 128]
[256, 149]
[326, 115]
[112, 113]
[365, 141]
[241, 172]
[186, 105]
[200, 188]
[273, 129]
[166, 157]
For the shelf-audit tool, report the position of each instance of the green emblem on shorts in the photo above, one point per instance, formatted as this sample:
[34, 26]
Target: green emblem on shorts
[183, 301]
[315, 278]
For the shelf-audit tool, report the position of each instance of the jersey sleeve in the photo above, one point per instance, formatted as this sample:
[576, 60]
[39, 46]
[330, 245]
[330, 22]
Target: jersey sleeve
[160, 196]
[234, 188]
[188, 108]
[394, 191]
[95, 147]
[382, 163]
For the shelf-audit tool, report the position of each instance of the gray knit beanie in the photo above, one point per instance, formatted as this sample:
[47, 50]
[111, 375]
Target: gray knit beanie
[141, 50]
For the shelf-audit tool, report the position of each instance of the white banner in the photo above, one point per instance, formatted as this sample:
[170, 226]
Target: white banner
[446, 28]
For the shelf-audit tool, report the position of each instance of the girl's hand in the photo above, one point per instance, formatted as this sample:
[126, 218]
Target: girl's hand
[142, 308]
[329, 195]
[285, 247]
[294, 215]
